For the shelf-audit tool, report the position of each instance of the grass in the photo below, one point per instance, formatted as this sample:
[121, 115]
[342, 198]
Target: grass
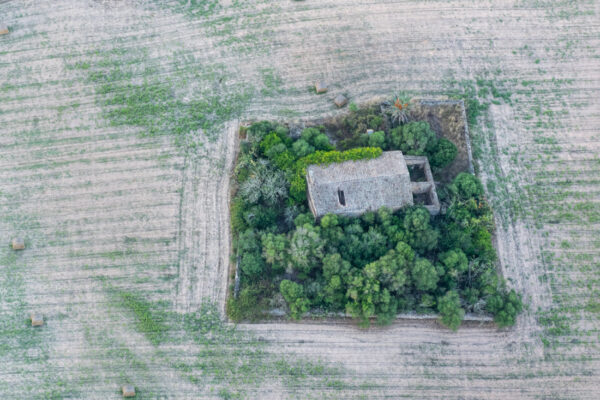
[160, 106]
[148, 319]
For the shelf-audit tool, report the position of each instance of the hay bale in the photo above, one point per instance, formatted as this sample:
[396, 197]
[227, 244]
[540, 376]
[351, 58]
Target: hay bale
[340, 100]
[128, 391]
[3, 30]
[37, 319]
[18, 244]
[321, 87]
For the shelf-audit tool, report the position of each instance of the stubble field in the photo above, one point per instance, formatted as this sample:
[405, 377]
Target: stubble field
[117, 133]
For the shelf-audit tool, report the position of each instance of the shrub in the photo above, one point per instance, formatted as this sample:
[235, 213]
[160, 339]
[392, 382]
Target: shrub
[261, 217]
[249, 306]
[238, 224]
[298, 181]
[355, 124]
[321, 142]
[258, 130]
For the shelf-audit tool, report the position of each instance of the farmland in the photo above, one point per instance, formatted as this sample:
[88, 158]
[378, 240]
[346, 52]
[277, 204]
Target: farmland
[118, 122]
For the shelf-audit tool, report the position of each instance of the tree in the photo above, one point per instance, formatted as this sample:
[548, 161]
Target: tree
[321, 142]
[264, 184]
[301, 148]
[316, 138]
[252, 264]
[367, 299]
[293, 293]
[466, 186]
[455, 264]
[451, 314]
[444, 153]
[306, 249]
[377, 139]
[335, 271]
[505, 306]
[415, 138]
[424, 275]
[418, 231]
[275, 251]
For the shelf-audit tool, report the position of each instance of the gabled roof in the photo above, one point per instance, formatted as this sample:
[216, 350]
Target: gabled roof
[364, 185]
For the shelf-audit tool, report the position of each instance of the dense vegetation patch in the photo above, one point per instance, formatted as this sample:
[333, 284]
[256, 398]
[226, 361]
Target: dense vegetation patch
[372, 266]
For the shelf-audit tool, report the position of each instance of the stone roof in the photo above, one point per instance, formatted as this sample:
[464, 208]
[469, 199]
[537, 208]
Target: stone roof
[354, 187]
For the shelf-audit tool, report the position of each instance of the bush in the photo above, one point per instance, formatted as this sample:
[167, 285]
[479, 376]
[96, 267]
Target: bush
[298, 181]
[258, 130]
[249, 306]
[355, 124]
[238, 224]
[261, 217]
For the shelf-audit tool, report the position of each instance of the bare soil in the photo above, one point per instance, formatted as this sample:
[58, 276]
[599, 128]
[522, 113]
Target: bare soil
[104, 207]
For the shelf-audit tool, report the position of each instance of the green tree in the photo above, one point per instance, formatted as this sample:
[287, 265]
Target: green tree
[270, 141]
[293, 293]
[424, 275]
[367, 299]
[444, 153]
[306, 249]
[418, 231]
[455, 264]
[252, 264]
[415, 138]
[321, 142]
[505, 306]
[275, 251]
[301, 148]
[466, 186]
[335, 272]
[264, 184]
[391, 270]
[451, 314]
[377, 139]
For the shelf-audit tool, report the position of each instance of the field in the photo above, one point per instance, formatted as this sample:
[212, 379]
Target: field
[117, 124]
